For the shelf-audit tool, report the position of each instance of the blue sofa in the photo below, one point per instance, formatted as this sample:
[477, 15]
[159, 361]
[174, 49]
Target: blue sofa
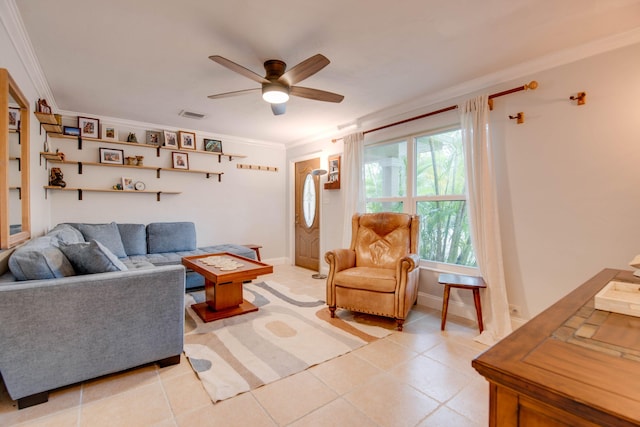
[87, 300]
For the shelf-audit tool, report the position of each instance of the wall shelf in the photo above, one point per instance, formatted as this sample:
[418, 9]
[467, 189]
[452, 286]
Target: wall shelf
[48, 122]
[47, 188]
[80, 164]
[143, 145]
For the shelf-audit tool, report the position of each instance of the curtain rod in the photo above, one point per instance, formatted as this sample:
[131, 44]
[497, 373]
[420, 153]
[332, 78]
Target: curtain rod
[531, 85]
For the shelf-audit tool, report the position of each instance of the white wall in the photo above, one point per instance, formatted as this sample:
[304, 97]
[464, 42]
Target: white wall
[567, 178]
[569, 174]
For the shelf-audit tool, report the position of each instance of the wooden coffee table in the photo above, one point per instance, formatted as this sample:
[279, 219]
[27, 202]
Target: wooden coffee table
[223, 289]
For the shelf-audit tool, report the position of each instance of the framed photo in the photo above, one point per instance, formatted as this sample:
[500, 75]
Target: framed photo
[14, 118]
[213, 145]
[112, 156]
[110, 133]
[154, 138]
[70, 130]
[187, 140]
[170, 139]
[43, 107]
[89, 127]
[180, 160]
[127, 184]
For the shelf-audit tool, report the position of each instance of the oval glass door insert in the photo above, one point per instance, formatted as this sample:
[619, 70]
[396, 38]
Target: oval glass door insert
[309, 200]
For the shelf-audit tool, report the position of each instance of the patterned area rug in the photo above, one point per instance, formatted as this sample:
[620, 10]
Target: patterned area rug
[288, 334]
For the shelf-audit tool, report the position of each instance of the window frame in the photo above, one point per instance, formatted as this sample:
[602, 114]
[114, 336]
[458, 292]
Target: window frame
[410, 200]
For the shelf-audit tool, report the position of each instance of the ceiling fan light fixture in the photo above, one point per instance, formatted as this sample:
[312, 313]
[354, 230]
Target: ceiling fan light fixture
[274, 93]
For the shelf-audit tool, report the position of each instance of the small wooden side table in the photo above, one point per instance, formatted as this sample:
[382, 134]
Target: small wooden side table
[461, 282]
[255, 248]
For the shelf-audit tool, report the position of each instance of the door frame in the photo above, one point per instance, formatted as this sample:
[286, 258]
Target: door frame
[291, 195]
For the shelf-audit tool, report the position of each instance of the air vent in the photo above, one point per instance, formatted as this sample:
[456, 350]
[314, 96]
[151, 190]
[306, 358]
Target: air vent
[191, 115]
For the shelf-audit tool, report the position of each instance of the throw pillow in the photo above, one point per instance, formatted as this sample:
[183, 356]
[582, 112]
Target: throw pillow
[107, 234]
[91, 257]
[40, 259]
[65, 233]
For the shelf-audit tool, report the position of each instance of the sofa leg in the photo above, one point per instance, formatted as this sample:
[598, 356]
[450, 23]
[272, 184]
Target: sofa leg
[333, 312]
[400, 322]
[173, 360]
[34, 399]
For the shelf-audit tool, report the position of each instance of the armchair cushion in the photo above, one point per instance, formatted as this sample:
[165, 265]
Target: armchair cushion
[380, 241]
[367, 278]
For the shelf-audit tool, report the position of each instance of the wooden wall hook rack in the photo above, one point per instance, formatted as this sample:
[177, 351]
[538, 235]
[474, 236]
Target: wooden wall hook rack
[257, 167]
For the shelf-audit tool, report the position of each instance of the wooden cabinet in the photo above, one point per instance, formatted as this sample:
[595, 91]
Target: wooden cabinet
[572, 365]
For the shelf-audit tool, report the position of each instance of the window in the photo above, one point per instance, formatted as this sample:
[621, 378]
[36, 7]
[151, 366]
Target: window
[424, 175]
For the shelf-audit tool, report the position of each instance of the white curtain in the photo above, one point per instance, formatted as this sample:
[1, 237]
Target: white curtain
[483, 217]
[352, 181]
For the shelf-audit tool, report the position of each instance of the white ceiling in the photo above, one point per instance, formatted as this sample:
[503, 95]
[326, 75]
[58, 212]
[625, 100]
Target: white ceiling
[146, 60]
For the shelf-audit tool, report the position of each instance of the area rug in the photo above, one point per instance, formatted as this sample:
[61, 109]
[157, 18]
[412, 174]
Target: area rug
[288, 334]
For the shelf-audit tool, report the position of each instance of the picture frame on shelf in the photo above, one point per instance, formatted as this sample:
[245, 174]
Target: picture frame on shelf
[128, 184]
[109, 133]
[170, 139]
[154, 138]
[213, 145]
[71, 131]
[180, 160]
[14, 118]
[187, 140]
[43, 107]
[89, 127]
[333, 178]
[111, 156]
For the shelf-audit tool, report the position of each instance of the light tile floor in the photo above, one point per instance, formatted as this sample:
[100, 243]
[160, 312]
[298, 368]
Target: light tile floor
[418, 377]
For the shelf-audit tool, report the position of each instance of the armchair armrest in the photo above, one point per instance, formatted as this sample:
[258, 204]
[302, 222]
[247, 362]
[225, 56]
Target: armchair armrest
[409, 262]
[340, 259]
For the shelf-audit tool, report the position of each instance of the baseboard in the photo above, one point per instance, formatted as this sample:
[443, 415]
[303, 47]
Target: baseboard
[458, 308]
[276, 261]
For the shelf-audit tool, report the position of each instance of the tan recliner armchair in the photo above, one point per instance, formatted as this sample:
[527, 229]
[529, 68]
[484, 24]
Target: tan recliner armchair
[378, 274]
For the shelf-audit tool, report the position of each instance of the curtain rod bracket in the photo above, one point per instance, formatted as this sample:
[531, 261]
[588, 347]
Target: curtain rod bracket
[518, 117]
[580, 98]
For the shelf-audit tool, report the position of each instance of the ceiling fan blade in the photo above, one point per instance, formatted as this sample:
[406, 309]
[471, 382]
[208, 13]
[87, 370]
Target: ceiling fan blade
[305, 69]
[238, 68]
[318, 95]
[234, 93]
[278, 109]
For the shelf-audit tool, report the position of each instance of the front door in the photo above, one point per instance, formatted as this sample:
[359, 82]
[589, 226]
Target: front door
[307, 218]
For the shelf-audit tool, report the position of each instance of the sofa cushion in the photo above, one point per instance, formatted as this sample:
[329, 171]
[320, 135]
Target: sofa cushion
[40, 259]
[65, 233]
[107, 234]
[91, 257]
[171, 237]
[134, 238]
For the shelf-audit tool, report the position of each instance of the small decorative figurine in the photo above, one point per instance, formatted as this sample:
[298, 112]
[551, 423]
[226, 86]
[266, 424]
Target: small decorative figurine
[132, 137]
[139, 160]
[55, 179]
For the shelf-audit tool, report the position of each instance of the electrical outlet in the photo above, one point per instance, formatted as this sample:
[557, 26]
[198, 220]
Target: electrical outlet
[514, 310]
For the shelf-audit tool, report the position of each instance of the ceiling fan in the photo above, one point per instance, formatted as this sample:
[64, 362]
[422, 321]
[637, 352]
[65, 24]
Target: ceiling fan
[277, 84]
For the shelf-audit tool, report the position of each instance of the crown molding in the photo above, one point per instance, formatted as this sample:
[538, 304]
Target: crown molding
[12, 21]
